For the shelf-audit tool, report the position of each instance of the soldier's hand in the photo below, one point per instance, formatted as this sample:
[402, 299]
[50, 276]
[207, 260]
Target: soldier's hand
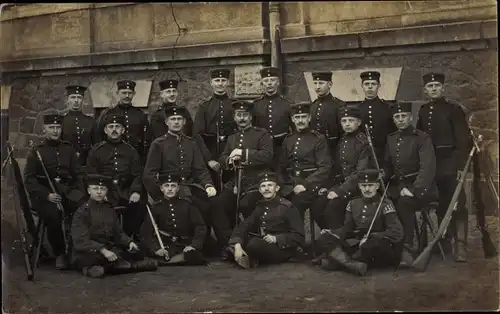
[331, 195]
[132, 247]
[269, 238]
[322, 191]
[237, 152]
[298, 189]
[214, 165]
[211, 191]
[162, 253]
[188, 248]
[235, 190]
[109, 255]
[54, 198]
[135, 197]
[405, 192]
[238, 252]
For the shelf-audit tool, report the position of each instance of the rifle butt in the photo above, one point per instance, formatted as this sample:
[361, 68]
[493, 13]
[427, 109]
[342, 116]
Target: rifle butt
[29, 269]
[422, 261]
[489, 248]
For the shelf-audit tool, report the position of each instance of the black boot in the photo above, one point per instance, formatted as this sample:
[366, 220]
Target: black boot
[144, 265]
[339, 257]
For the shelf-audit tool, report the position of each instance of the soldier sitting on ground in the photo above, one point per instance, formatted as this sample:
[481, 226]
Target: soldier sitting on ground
[348, 248]
[101, 246]
[272, 233]
[180, 226]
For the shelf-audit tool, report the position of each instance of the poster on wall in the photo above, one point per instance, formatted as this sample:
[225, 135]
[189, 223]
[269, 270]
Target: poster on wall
[103, 94]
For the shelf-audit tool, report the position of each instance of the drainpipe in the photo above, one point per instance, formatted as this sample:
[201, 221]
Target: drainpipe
[274, 28]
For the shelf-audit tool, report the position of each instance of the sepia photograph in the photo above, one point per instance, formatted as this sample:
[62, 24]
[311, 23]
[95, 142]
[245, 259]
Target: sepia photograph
[225, 157]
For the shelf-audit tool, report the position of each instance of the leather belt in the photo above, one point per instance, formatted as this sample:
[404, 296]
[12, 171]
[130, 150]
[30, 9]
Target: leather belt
[279, 135]
[298, 172]
[221, 137]
[406, 176]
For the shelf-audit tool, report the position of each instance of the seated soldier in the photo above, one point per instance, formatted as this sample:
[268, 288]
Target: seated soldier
[272, 233]
[101, 247]
[179, 224]
[348, 248]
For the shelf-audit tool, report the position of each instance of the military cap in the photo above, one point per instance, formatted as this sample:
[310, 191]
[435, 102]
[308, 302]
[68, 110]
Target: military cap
[108, 119]
[98, 179]
[433, 77]
[219, 73]
[322, 76]
[175, 111]
[269, 71]
[368, 176]
[125, 84]
[242, 105]
[301, 107]
[399, 107]
[268, 176]
[52, 118]
[75, 89]
[169, 177]
[168, 84]
[370, 75]
[350, 111]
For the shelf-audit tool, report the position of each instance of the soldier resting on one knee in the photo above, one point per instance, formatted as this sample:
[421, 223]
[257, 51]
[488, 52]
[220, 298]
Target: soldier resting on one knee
[348, 248]
[180, 226]
[272, 233]
[101, 246]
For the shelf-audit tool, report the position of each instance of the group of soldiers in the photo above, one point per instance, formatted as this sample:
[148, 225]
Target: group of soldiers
[140, 191]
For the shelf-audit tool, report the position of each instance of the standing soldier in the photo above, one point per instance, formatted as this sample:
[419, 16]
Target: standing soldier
[78, 129]
[445, 122]
[117, 159]
[305, 162]
[60, 161]
[325, 110]
[272, 111]
[214, 120]
[376, 113]
[137, 130]
[411, 160]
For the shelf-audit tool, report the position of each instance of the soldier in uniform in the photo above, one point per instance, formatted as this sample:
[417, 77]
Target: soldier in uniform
[353, 155]
[180, 226]
[215, 118]
[272, 111]
[272, 233]
[325, 110]
[100, 244]
[137, 129]
[60, 161]
[348, 248]
[117, 159]
[376, 113]
[411, 160]
[306, 161]
[78, 129]
[445, 122]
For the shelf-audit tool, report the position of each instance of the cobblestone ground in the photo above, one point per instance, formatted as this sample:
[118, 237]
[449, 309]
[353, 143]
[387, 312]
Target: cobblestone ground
[222, 287]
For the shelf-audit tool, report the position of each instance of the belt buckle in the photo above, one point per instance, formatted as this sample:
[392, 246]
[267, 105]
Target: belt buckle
[57, 179]
[222, 137]
[297, 173]
[174, 239]
[115, 182]
[77, 154]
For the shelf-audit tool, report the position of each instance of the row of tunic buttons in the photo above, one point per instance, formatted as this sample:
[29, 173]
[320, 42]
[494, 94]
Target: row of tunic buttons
[57, 160]
[115, 154]
[221, 120]
[173, 214]
[318, 114]
[429, 126]
[240, 145]
[400, 139]
[295, 149]
[270, 111]
[263, 225]
[370, 116]
[181, 157]
[343, 155]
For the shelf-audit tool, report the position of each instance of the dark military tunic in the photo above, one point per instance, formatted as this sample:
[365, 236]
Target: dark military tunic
[325, 119]
[257, 147]
[377, 115]
[306, 160]
[273, 114]
[179, 153]
[181, 224]
[137, 129]
[158, 126]
[81, 131]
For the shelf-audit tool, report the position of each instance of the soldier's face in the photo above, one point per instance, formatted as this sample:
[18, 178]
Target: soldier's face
[322, 87]
[370, 88]
[402, 120]
[434, 89]
[368, 189]
[75, 101]
[125, 96]
[219, 85]
[350, 124]
[270, 84]
[301, 120]
[114, 130]
[169, 94]
[175, 123]
[52, 131]
[97, 192]
[268, 189]
[242, 118]
[169, 189]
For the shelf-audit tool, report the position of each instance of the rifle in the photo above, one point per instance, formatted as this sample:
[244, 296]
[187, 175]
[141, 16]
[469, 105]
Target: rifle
[239, 174]
[21, 223]
[60, 207]
[489, 248]
[155, 227]
[365, 237]
[217, 151]
[422, 261]
[369, 136]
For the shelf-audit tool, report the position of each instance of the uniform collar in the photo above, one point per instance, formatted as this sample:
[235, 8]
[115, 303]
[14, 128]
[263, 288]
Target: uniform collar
[245, 130]
[53, 142]
[371, 200]
[221, 97]
[275, 95]
[276, 199]
[167, 104]
[304, 131]
[355, 133]
[409, 130]
[124, 106]
[376, 98]
[325, 97]
[95, 203]
[113, 142]
[176, 135]
[75, 113]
